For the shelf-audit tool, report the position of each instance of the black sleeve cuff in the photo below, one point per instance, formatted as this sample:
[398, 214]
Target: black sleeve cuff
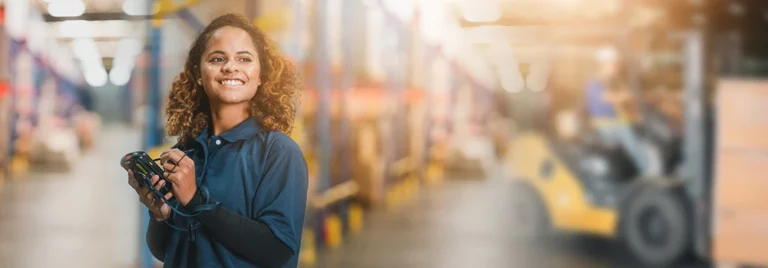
[197, 200]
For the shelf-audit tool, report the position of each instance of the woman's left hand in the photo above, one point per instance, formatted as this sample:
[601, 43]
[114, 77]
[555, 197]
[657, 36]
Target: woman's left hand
[180, 172]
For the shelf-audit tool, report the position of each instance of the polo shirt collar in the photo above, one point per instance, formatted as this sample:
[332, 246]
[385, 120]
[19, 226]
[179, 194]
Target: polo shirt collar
[241, 131]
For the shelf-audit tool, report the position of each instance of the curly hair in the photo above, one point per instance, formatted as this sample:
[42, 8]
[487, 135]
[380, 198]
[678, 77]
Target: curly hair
[274, 105]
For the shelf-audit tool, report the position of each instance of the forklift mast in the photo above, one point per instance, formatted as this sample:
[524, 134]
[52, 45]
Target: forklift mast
[697, 138]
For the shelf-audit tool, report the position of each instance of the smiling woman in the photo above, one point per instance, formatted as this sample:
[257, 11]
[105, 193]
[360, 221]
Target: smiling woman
[233, 108]
[272, 80]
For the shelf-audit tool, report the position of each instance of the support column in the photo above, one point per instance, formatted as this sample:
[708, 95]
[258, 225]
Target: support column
[322, 76]
[153, 130]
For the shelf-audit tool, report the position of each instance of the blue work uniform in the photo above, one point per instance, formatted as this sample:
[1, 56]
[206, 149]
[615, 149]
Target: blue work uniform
[596, 106]
[252, 172]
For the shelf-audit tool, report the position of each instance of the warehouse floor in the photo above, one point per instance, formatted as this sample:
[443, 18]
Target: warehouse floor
[84, 218]
[464, 223]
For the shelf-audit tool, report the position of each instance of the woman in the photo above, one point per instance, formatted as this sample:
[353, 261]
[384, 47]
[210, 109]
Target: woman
[232, 108]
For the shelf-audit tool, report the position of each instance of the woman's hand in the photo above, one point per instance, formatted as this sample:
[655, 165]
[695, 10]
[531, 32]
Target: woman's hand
[160, 210]
[180, 171]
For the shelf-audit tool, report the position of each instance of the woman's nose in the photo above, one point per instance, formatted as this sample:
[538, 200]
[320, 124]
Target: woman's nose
[229, 67]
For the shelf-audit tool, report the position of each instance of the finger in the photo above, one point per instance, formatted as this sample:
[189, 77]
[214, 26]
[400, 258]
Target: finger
[160, 185]
[132, 181]
[168, 196]
[149, 196]
[164, 157]
[185, 159]
[170, 166]
[154, 180]
[180, 158]
[172, 178]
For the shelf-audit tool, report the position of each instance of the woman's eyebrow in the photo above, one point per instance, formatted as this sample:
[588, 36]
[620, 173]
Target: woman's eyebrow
[217, 52]
[222, 52]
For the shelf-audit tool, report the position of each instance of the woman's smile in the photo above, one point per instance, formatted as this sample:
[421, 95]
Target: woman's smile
[232, 82]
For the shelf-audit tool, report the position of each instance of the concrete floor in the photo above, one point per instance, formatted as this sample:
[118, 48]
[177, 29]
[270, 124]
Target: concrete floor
[464, 224]
[84, 218]
[89, 218]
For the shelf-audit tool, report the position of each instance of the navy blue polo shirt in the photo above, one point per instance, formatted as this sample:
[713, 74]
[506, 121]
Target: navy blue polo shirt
[254, 173]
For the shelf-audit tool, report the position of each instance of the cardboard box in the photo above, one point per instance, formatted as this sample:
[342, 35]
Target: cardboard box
[742, 106]
[740, 236]
[741, 179]
[740, 209]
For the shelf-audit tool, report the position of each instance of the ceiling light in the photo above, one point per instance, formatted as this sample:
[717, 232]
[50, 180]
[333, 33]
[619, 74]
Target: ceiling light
[75, 29]
[137, 7]
[482, 11]
[95, 76]
[119, 76]
[511, 80]
[66, 8]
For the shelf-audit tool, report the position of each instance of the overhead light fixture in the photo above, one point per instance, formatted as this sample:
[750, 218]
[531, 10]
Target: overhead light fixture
[95, 76]
[511, 80]
[75, 29]
[66, 8]
[137, 7]
[119, 76]
[481, 11]
[86, 50]
[128, 50]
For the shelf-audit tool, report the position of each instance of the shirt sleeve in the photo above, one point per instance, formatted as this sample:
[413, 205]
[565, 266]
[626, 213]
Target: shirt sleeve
[281, 198]
[157, 238]
[249, 238]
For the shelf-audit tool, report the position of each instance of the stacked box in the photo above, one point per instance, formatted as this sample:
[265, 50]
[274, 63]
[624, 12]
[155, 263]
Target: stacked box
[740, 218]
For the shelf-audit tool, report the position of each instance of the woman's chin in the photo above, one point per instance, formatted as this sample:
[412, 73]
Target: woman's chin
[233, 96]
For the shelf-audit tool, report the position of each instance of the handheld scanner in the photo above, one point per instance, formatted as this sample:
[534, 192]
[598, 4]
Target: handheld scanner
[144, 168]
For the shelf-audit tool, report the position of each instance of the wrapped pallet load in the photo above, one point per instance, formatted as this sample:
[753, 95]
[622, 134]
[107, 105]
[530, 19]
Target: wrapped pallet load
[740, 208]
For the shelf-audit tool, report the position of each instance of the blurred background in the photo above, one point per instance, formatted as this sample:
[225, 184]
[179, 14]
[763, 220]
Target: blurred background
[439, 133]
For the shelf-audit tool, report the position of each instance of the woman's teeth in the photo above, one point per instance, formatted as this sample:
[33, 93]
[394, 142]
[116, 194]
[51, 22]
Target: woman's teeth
[232, 82]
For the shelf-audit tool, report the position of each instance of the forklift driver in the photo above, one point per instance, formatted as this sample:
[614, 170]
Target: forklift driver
[609, 105]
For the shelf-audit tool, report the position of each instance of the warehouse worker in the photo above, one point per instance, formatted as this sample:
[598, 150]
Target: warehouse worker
[233, 107]
[609, 107]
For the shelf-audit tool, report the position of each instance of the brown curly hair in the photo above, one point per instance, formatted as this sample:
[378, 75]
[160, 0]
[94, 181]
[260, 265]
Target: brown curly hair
[274, 104]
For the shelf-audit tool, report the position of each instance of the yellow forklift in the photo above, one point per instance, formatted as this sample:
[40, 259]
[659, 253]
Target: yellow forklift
[569, 179]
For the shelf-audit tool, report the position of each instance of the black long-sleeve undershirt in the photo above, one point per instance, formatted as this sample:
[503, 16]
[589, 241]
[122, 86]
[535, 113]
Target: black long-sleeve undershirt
[249, 238]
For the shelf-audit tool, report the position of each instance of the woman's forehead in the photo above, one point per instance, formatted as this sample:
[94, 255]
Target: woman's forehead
[231, 39]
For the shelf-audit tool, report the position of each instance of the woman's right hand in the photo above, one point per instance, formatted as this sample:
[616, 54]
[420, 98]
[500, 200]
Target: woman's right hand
[159, 209]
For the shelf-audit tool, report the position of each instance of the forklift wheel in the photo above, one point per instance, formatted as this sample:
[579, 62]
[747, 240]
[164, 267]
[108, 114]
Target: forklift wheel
[655, 228]
[529, 215]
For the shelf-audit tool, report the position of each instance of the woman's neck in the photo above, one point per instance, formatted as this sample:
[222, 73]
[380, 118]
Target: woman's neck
[226, 117]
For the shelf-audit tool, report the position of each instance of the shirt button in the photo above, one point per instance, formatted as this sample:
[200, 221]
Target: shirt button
[218, 142]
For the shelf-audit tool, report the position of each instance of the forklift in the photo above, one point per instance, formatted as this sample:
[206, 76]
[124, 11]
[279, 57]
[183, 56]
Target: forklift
[582, 184]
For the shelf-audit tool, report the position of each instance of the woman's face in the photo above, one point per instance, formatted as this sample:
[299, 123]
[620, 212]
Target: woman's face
[230, 67]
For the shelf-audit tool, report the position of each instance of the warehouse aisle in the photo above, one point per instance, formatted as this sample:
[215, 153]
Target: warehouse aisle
[464, 223]
[85, 218]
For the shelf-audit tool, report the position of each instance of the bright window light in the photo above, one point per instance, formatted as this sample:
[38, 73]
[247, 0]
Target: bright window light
[66, 8]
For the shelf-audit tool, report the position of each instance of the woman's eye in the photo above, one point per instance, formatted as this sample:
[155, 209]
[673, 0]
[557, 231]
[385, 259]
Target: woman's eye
[245, 59]
[217, 60]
